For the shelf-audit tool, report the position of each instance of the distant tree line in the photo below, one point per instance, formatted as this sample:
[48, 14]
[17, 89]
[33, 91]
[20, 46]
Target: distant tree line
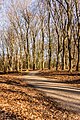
[44, 34]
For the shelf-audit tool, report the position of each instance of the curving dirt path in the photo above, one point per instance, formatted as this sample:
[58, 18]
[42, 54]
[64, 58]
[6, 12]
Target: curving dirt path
[68, 97]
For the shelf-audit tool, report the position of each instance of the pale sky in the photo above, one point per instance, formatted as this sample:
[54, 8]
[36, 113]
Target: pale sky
[4, 5]
[3, 8]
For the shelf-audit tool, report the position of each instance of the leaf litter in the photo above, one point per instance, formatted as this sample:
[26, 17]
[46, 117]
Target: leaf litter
[18, 101]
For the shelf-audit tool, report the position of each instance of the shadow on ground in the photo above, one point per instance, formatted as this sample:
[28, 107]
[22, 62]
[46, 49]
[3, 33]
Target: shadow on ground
[56, 92]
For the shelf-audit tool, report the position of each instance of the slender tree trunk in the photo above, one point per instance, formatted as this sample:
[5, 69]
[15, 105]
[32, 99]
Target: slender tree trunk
[17, 61]
[4, 67]
[77, 67]
[68, 34]
[57, 63]
[49, 64]
[34, 54]
[69, 49]
[21, 61]
[3, 56]
[42, 65]
[39, 55]
[63, 56]
[78, 33]
[27, 55]
[8, 66]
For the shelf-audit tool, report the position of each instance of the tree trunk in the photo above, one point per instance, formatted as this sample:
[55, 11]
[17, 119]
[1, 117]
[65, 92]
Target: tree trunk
[77, 67]
[78, 36]
[49, 64]
[42, 65]
[34, 59]
[57, 51]
[63, 55]
[27, 55]
[69, 49]
[17, 61]
[68, 34]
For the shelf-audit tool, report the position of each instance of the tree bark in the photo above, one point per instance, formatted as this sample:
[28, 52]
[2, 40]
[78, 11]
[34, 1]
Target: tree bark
[34, 56]
[49, 64]
[63, 55]
[42, 65]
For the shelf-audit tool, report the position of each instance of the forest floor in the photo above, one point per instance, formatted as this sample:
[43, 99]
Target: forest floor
[20, 100]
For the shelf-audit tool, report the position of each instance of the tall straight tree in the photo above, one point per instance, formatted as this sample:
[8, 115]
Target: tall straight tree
[42, 31]
[34, 52]
[78, 31]
[49, 33]
[26, 17]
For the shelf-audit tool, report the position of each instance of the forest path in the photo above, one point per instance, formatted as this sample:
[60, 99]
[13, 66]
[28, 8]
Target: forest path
[68, 97]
